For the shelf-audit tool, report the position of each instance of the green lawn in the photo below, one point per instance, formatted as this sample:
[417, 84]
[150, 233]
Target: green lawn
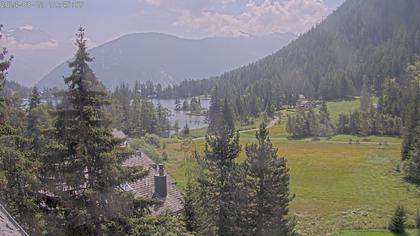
[337, 185]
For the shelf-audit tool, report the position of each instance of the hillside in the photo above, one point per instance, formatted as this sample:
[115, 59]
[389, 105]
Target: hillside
[371, 39]
[168, 59]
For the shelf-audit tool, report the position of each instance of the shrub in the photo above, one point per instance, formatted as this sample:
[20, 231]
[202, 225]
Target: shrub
[152, 139]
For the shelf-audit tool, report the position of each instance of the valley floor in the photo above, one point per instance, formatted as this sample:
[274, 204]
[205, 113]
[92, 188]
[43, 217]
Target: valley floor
[337, 185]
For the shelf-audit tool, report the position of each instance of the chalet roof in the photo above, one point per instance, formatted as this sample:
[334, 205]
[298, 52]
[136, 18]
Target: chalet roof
[145, 187]
[8, 226]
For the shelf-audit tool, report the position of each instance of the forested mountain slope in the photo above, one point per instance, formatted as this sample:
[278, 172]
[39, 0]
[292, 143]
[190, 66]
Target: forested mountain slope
[362, 39]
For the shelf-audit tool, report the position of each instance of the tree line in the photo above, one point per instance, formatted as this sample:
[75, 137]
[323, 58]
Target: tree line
[389, 116]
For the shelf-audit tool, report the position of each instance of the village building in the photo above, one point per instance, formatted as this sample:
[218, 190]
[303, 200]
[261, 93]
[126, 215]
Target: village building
[157, 184]
[302, 102]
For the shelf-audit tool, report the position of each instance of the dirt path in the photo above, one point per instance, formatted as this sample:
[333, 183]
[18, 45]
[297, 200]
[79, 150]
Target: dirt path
[272, 123]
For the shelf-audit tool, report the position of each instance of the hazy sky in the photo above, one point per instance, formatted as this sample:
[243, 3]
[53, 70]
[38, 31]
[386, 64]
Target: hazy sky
[108, 19]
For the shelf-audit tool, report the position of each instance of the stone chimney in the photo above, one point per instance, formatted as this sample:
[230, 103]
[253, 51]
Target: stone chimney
[161, 186]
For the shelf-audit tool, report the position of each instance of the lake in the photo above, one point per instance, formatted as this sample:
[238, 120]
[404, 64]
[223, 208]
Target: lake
[194, 122]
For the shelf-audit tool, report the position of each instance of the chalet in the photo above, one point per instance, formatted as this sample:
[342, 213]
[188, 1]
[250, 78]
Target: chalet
[303, 102]
[8, 225]
[157, 184]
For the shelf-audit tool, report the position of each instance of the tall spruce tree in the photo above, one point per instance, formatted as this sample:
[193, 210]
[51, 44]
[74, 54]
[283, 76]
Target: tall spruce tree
[4, 66]
[266, 186]
[366, 98]
[190, 209]
[217, 181]
[84, 166]
[411, 143]
[37, 116]
[412, 123]
[35, 98]
[136, 128]
[18, 167]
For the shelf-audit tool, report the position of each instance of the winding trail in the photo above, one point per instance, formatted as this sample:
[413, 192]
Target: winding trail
[272, 123]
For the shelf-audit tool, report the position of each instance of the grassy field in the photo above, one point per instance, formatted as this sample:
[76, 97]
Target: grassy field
[337, 185]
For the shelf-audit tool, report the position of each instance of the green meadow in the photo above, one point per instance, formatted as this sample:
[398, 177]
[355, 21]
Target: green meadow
[337, 184]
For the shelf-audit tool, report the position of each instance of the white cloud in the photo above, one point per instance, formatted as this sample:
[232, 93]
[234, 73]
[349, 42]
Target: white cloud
[26, 27]
[192, 6]
[154, 2]
[28, 37]
[13, 44]
[268, 16]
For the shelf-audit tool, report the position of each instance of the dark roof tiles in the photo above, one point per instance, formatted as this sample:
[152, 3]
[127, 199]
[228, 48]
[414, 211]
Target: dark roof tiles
[145, 187]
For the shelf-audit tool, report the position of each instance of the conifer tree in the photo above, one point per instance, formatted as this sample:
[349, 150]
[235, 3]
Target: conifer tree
[413, 162]
[410, 150]
[163, 126]
[35, 98]
[412, 123]
[177, 105]
[190, 210]
[186, 130]
[266, 186]
[185, 105]
[366, 98]
[176, 127]
[398, 220]
[38, 119]
[4, 66]
[136, 128]
[217, 181]
[18, 167]
[148, 117]
[84, 168]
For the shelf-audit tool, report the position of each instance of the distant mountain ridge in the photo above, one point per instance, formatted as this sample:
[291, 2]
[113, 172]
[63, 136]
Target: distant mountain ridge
[168, 59]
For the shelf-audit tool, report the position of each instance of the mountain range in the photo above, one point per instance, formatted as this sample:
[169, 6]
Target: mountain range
[168, 59]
